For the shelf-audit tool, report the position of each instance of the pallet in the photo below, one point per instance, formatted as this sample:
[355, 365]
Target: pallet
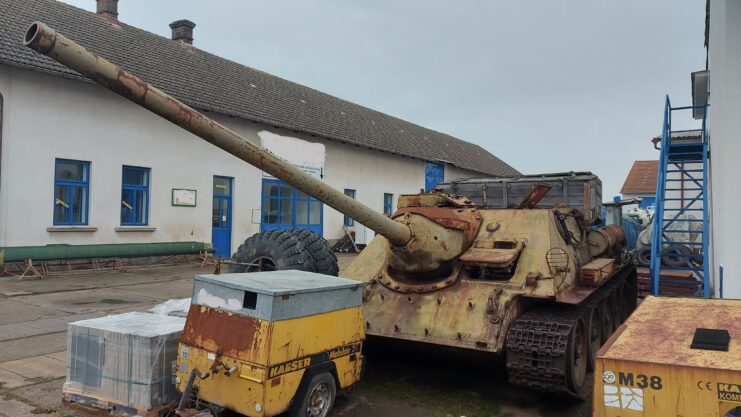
[676, 290]
[98, 405]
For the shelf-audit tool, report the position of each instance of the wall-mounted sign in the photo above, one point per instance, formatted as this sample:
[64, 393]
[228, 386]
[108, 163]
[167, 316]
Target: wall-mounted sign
[307, 156]
[183, 197]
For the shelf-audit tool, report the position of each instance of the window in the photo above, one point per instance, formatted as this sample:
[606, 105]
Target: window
[71, 192]
[134, 196]
[434, 174]
[250, 300]
[388, 203]
[348, 221]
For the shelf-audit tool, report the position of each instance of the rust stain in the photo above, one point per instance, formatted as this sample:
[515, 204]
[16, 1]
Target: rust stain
[468, 220]
[221, 332]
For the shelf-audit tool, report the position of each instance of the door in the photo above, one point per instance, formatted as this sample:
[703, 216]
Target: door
[221, 217]
[284, 207]
[434, 174]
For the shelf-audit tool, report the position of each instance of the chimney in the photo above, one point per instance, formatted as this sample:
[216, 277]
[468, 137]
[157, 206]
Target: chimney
[108, 9]
[182, 30]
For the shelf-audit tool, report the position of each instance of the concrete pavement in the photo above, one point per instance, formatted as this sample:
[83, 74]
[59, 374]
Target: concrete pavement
[34, 314]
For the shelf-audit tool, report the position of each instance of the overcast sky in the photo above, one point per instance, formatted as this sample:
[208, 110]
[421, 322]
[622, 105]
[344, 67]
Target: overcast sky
[544, 85]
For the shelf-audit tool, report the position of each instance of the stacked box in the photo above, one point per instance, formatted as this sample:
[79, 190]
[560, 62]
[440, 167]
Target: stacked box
[124, 362]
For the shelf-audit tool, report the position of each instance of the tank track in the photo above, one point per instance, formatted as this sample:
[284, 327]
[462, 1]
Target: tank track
[537, 341]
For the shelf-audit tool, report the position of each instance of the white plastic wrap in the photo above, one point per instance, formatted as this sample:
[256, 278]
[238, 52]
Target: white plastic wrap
[175, 307]
[124, 361]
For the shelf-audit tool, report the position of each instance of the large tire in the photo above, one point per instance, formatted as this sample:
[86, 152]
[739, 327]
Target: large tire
[273, 250]
[318, 398]
[644, 256]
[679, 260]
[324, 257]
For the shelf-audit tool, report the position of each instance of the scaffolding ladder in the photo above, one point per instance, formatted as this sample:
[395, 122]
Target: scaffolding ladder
[679, 251]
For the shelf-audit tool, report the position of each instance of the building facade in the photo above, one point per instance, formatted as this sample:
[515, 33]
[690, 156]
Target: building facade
[724, 129]
[80, 165]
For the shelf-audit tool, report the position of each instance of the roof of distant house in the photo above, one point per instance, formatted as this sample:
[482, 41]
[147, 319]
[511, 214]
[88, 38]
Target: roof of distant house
[641, 178]
[208, 82]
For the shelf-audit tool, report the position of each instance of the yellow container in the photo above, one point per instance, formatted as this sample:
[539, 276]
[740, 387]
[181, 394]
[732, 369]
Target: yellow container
[648, 368]
[258, 341]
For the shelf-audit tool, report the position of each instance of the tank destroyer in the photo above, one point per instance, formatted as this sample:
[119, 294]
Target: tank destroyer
[535, 281]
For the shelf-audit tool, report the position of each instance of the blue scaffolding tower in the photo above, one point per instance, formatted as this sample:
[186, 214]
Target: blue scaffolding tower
[679, 250]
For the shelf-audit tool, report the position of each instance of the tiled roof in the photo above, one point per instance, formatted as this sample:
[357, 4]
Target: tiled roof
[208, 82]
[641, 178]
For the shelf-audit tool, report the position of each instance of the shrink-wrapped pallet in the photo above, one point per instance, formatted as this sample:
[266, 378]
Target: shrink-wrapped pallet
[123, 363]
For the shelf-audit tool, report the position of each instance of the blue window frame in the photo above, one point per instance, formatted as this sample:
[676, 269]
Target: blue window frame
[348, 221]
[71, 192]
[434, 174]
[134, 196]
[388, 203]
[284, 207]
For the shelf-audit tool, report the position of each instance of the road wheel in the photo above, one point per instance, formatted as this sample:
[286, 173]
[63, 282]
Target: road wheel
[594, 327]
[577, 357]
[621, 306]
[272, 250]
[608, 317]
[322, 253]
[319, 397]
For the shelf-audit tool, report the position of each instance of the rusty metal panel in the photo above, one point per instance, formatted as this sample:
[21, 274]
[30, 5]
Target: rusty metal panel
[216, 331]
[661, 329]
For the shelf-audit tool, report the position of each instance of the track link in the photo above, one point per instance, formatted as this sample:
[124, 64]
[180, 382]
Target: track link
[538, 341]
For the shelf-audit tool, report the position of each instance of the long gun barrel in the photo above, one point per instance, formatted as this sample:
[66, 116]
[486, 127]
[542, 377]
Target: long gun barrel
[48, 41]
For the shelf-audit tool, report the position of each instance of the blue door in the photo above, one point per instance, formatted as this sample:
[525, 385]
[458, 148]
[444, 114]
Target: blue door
[221, 217]
[284, 207]
[434, 174]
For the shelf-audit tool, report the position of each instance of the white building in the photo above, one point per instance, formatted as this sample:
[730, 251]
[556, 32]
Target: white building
[723, 38]
[80, 165]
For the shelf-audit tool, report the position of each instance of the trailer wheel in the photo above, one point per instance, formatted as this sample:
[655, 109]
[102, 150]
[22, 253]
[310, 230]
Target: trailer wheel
[324, 257]
[272, 250]
[319, 397]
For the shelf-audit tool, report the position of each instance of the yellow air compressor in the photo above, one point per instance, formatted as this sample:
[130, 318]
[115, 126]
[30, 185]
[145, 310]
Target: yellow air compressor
[672, 357]
[265, 343]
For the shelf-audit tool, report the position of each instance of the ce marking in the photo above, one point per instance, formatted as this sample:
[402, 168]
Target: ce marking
[707, 386]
